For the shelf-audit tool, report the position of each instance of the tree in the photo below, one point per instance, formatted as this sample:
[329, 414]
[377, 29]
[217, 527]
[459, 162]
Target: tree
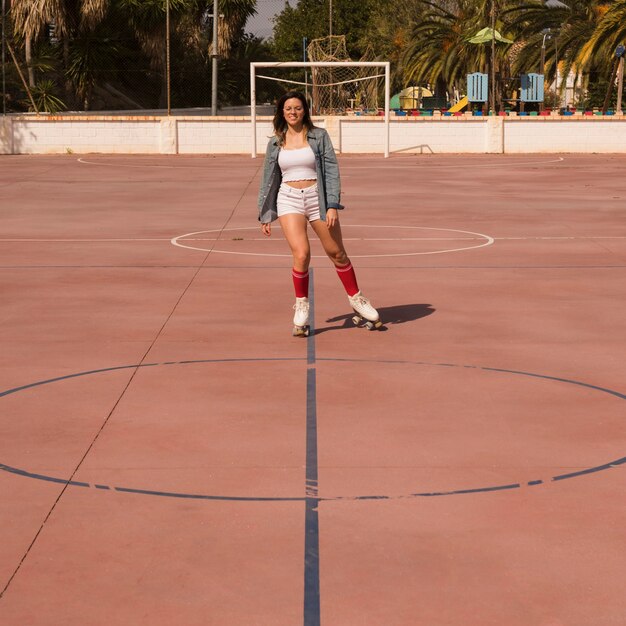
[388, 32]
[609, 32]
[439, 47]
[233, 17]
[310, 19]
[30, 17]
[565, 31]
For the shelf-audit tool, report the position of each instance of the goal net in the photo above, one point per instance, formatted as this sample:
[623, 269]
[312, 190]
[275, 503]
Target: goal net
[332, 87]
[336, 90]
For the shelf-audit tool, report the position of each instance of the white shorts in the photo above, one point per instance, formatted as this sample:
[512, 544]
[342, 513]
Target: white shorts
[301, 201]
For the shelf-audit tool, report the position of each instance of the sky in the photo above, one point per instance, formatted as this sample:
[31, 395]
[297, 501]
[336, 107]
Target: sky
[261, 24]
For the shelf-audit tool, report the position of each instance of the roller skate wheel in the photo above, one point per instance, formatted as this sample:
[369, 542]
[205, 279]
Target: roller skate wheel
[301, 331]
[356, 320]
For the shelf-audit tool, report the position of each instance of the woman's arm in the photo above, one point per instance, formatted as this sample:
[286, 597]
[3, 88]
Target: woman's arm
[265, 178]
[331, 174]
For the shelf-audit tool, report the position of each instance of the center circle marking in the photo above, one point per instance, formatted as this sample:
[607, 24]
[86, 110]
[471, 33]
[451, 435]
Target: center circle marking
[152, 492]
[484, 240]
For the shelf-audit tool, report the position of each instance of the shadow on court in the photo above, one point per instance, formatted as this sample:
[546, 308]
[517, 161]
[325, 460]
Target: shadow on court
[399, 314]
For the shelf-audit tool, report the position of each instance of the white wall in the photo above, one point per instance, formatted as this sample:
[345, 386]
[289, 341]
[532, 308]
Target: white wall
[28, 134]
[54, 136]
[421, 135]
[594, 134]
[224, 137]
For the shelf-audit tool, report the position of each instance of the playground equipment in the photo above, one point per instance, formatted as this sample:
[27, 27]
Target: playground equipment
[459, 106]
[477, 88]
[531, 89]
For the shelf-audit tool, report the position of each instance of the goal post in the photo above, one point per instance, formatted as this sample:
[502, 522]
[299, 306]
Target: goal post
[313, 64]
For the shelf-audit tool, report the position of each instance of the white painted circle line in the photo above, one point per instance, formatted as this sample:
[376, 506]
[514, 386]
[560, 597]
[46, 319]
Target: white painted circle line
[487, 242]
[168, 167]
[465, 166]
[348, 166]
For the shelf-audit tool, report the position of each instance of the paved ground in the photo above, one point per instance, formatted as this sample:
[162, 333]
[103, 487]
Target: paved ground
[171, 455]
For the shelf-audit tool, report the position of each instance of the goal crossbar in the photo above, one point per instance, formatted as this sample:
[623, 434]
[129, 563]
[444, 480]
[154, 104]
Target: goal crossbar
[374, 64]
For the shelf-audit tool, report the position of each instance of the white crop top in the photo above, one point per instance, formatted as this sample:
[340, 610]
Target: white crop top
[297, 164]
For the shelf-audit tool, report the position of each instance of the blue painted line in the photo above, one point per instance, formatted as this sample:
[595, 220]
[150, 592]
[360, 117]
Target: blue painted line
[310, 344]
[8, 392]
[199, 496]
[590, 470]
[312, 614]
[312, 498]
[466, 491]
[50, 479]
[67, 377]
[557, 379]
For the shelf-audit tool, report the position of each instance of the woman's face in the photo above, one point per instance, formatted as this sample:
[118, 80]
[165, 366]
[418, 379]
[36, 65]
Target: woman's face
[293, 110]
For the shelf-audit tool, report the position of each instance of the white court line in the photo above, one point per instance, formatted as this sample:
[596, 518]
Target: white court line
[488, 241]
[391, 164]
[135, 239]
[169, 167]
[81, 240]
[585, 238]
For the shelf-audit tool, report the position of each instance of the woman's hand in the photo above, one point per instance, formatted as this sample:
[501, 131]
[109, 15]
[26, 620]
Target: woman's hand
[331, 217]
[266, 229]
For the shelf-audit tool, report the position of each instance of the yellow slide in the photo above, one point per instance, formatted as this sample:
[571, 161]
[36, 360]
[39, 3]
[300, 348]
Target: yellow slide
[461, 104]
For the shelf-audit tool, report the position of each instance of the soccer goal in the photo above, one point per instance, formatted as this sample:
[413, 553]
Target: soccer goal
[333, 91]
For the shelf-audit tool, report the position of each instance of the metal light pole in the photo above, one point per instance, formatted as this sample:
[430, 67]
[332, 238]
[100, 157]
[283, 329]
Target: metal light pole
[330, 33]
[556, 57]
[4, 77]
[542, 66]
[330, 17]
[493, 57]
[214, 61]
[542, 63]
[620, 78]
[167, 57]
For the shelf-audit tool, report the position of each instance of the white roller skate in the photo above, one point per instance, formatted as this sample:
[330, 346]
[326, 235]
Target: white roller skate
[301, 318]
[366, 314]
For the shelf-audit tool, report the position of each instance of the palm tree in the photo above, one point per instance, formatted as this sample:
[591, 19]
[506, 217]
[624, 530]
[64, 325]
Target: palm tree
[439, 47]
[30, 17]
[568, 30]
[609, 33]
[233, 15]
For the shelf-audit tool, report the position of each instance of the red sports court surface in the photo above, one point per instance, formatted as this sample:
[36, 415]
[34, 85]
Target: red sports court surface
[170, 455]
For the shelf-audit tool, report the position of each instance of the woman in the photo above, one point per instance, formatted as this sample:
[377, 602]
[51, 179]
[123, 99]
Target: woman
[301, 186]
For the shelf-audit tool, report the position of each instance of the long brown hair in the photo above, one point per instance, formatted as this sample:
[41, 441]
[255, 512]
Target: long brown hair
[280, 123]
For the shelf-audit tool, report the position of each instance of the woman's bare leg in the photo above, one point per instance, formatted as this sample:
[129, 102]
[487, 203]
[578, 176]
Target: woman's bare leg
[294, 228]
[332, 242]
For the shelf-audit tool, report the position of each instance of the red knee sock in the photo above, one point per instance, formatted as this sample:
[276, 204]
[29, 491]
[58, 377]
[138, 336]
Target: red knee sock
[301, 283]
[348, 278]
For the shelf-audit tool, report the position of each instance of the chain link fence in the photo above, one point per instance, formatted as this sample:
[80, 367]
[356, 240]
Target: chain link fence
[125, 62]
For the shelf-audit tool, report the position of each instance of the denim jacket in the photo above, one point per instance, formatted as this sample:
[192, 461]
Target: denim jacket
[328, 184]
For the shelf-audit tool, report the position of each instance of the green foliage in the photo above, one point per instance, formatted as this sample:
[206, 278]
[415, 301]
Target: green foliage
[233, 86]
[92, 59]
[46, 98]
[310, 19]
[388, 32]
[112, 54]
[595, 95]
